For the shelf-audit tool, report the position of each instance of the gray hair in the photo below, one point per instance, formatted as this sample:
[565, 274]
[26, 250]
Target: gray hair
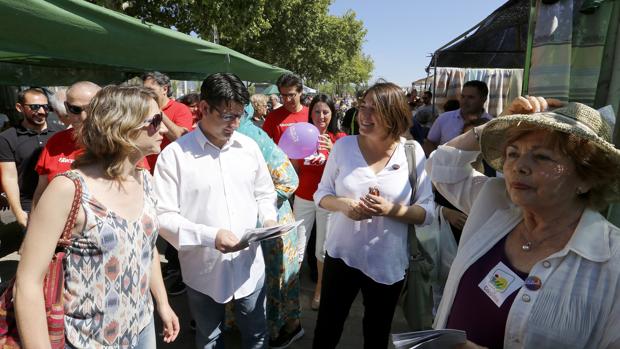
[160, 78]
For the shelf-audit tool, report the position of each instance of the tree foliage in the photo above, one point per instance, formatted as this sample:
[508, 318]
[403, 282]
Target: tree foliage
[298, 35]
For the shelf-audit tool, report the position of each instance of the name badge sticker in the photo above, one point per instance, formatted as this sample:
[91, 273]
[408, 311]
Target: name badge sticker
[500, 283]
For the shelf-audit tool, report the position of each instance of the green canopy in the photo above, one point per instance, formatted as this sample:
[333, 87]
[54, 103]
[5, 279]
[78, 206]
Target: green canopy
[57, 42]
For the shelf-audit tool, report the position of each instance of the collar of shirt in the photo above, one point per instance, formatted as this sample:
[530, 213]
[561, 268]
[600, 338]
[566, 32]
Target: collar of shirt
[168, 105]
[591, 238]
[483, 115]
[203, 141]
[20, 129]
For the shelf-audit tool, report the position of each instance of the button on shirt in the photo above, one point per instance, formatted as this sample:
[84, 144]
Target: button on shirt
[449, 125]
[201, 189]
[377, 246]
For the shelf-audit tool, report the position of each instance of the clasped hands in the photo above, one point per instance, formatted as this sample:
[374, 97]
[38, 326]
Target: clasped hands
[367, 206]
[226, 241]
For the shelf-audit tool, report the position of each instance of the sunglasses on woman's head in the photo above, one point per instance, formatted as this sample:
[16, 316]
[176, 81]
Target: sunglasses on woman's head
[74, 109]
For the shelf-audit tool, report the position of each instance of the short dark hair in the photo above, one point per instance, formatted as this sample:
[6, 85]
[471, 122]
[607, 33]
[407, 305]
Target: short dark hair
[160, 78]
[333, 123]
[481, 86]
[21, 95]
[288, 80]
[391, 107]
[429, 93]
[190, 98]
[451, 104]
[219, 88]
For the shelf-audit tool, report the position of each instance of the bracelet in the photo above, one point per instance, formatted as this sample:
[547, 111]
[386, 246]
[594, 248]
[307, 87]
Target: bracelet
[476, 135]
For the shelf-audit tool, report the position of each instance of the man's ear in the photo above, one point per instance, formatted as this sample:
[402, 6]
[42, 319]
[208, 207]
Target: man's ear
[19, 107]
[203, 107]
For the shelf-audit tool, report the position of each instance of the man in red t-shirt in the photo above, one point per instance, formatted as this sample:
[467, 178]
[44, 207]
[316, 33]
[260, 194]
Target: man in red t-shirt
[292, 111]
[176, 116]
[60, 150]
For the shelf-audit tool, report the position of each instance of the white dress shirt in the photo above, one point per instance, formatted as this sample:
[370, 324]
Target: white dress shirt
[377, 246]
[201, 189]
[578, 305]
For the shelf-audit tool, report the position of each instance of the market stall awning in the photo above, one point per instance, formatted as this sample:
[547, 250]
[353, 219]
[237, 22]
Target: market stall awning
[498, 41]
[56, 42]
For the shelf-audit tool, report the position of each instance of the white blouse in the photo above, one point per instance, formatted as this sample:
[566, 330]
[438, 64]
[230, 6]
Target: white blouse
[578, 305]
[377, 246]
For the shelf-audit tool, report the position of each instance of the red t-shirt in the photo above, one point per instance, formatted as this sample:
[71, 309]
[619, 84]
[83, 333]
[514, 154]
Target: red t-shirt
[59, 153]
[178, 113]
[280, 119]
[311, 170]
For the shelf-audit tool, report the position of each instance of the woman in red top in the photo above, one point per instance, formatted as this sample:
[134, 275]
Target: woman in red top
[322, 114]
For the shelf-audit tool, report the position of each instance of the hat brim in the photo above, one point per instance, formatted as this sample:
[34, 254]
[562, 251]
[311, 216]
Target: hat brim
[493, 137]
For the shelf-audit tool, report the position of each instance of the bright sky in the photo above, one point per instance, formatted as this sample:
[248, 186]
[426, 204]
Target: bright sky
[401, 33]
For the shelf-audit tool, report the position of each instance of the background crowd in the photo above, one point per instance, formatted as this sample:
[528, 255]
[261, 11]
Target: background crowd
[524, 258]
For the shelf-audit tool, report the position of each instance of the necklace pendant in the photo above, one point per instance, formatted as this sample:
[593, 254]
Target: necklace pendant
[526, 246]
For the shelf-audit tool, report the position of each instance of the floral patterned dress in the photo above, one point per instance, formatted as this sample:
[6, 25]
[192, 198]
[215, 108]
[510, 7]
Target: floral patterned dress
[107, 274]
[282, 262]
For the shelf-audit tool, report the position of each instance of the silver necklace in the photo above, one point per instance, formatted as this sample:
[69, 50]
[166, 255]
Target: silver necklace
[529, 245]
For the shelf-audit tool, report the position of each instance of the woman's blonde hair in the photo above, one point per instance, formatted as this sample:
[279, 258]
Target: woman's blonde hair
[259, 99]
[115, 116]
[391, 106]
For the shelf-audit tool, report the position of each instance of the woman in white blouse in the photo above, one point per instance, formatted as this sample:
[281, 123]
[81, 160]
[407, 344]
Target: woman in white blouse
[366, 185]
[537, 265]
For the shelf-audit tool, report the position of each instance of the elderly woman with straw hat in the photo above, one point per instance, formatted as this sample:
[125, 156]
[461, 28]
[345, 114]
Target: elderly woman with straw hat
[537, 266]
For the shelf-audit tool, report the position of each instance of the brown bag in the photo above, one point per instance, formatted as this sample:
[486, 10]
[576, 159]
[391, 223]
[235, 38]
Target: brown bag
[53, 287]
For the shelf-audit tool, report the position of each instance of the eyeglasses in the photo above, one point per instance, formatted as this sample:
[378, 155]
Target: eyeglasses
[36, 107]
[74, 109]
[154, 121]
[229, 116]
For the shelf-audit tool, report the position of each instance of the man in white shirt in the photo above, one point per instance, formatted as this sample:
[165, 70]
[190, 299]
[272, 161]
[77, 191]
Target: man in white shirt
[212, 185]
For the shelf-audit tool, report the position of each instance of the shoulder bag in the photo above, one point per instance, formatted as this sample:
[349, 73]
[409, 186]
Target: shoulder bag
[416, 298]
[53, 287]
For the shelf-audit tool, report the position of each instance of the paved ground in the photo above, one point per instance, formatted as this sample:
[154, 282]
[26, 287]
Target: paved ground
[351, 338]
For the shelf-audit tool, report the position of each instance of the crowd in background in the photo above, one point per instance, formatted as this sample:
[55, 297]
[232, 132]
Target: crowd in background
[513, 201]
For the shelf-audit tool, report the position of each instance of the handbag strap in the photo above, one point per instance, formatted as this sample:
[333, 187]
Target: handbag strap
[65, 238]
[414, 244]
[413, 174]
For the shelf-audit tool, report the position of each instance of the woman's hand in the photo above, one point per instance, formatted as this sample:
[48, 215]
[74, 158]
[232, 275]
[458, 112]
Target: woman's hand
[375, 205]
[170, 322]
[531, 104]
[454, 217]
[353, 210]
[325, 143]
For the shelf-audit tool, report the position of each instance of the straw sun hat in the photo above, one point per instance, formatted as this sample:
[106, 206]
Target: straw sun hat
[575, 119]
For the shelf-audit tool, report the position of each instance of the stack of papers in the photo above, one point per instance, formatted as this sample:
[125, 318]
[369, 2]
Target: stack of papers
[432, 339]
[260, 234]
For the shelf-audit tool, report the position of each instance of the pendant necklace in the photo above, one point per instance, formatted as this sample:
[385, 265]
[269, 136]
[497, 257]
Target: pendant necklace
[528, 245]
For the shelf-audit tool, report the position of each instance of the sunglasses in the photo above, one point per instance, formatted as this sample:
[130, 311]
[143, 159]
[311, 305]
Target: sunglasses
[230, 117]
[74, 109]
[154, 121]
[36, 107]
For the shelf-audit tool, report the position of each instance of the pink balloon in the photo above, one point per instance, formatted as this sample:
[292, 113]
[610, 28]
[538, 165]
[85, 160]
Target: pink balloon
[300, 140]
